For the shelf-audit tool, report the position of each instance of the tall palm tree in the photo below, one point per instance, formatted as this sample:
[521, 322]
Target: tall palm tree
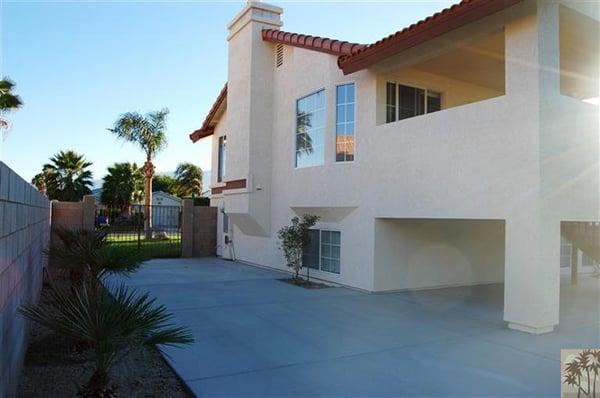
[149, 133]
[68, 177]
[122, 186]
[189, 179]
[8, 100]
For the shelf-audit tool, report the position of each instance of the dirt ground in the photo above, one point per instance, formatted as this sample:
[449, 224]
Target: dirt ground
[55, 367]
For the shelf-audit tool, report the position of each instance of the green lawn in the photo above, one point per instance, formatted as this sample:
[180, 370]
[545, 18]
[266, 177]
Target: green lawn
[150, 248]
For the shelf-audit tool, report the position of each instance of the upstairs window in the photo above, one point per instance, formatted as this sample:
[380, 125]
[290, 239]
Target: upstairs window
[310, 130]
[344, 123]
[221, 158]
[403, 102]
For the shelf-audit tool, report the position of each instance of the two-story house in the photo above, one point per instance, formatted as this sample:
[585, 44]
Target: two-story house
[446, 154]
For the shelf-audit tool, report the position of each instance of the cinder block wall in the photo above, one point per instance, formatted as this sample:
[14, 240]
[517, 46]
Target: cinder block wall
[24, 234]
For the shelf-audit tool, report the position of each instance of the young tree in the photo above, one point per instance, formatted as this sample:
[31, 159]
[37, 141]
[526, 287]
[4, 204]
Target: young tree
[122, 186]
[67, 177]
[149, 133]
[294, 238]
[189, 180]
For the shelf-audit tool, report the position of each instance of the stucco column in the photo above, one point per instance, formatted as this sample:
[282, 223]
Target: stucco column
[187, 228]
[532, 252]
[532, 275]
[89, 212]
[574, 263]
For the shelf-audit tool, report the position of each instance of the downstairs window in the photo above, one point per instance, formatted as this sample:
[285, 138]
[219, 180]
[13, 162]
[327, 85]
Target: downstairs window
[323, 251]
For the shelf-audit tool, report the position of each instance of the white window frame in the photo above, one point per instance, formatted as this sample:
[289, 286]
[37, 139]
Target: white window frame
[320, 230]
[294, 141]
[335, 161]
[220, 160]
[425, 89]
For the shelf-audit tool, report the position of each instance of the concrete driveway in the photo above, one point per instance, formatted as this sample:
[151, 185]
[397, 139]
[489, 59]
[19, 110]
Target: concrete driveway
[257, 336]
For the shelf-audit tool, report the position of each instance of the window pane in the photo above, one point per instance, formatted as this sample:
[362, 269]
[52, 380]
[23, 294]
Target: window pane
[434, 101]
[341, 94]
[390, 101]
[344, 121]
[335, 237]
[349, 128]
[341, 114]
[419, 102]
[350, 112]
[310, 252]
[350, 93]
[310, 124]
[221, 158]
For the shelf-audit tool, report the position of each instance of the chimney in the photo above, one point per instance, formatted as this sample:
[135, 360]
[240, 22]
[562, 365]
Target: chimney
[251, 68]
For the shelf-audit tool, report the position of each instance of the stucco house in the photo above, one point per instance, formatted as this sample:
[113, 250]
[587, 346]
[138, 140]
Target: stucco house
[473, 136]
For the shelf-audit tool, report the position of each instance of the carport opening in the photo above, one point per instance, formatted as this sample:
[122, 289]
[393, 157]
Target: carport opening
[435, 253]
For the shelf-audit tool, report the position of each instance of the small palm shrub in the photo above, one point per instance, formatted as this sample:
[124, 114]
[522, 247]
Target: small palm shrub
[88, 256]
[109, 323]
[294, 238]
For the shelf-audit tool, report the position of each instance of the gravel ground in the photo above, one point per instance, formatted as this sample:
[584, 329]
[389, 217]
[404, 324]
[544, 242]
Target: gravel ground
[55, 368]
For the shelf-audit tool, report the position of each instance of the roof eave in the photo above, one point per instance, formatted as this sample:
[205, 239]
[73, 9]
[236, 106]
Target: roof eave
[430, 28]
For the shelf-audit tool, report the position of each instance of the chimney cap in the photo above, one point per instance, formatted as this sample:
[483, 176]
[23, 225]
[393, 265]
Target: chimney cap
[259, 11]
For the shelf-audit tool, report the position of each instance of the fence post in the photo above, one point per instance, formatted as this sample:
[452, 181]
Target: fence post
[187, 228]
[89, 212]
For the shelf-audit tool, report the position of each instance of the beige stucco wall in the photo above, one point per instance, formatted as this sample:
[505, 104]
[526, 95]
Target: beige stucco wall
[528, 157]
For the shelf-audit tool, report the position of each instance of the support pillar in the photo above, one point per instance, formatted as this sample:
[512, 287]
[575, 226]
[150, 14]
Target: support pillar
[574, 263]
[88, 221]
[532, 275]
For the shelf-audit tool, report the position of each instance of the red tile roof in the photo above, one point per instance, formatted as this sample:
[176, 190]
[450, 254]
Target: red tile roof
[315, 43]
[451, 18]
[208, 127]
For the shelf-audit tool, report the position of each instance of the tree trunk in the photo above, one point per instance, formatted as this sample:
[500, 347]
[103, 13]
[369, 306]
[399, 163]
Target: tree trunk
[97, 386]
[148, 175]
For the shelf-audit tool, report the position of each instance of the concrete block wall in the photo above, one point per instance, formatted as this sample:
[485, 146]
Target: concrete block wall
[24, 234]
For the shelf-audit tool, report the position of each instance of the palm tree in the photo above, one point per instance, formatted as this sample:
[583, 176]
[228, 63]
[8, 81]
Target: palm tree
[39, 182]
[8, 100]
[189, 179]
[88, 256]
[149, 133]
[122, 186]
[108, 322]
[67, 177]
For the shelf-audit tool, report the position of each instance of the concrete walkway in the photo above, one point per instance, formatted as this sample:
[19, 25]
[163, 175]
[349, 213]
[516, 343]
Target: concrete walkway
[257, 336]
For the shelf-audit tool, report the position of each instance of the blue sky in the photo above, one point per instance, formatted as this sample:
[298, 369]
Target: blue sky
[78, 65]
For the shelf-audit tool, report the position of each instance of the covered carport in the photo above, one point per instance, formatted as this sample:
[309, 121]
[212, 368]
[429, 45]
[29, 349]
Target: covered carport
[434, 253]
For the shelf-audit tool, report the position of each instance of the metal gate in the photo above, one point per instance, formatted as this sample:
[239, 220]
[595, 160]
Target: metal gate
[153, 230]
